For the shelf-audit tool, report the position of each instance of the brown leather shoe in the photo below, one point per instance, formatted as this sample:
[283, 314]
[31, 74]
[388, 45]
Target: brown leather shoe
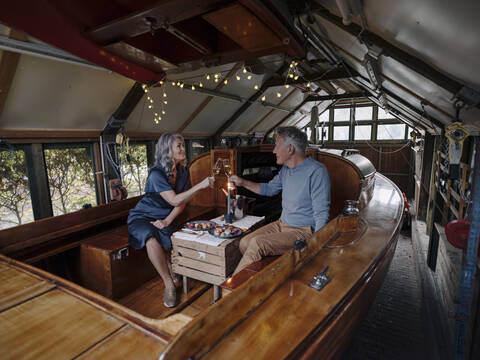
[170, 297]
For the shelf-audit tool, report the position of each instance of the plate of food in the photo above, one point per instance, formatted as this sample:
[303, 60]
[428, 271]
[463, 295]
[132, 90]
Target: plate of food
[200, 225]
[225, 231]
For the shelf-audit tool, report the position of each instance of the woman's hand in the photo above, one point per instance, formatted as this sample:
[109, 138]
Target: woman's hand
[208, 181]
[236, 180]
[160, 224]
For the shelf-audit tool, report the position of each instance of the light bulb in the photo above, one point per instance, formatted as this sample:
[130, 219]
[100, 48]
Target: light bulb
[256, 87]
[159, 118]
[173, 83]
[225, 81]
[244, 70]
[181, 86]
[296, 77]
[161, 82]
[178, 83]
[208, 76]
[216, 79]
[287, 86]
[149, 106]
[201, 85]
[291, 65]
[238, 77]
[263, 98]
[193, 87]
[163, 112]
[308, 84]
[164, 94]
[249, 77]
[156, 114]
[165, 102]
[290, 75]
[279, 95]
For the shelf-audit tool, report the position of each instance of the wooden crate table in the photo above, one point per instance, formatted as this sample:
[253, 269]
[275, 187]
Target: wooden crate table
[212, 264]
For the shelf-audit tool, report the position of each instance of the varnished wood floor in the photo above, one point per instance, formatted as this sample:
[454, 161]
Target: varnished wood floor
[395, 327]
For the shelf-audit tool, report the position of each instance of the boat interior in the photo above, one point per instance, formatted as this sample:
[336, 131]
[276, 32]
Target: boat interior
[387, 92]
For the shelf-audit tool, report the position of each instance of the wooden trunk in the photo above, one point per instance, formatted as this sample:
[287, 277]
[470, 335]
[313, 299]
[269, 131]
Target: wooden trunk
[112, 268]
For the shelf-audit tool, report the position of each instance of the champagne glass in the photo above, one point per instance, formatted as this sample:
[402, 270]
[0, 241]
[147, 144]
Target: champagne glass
[217, 167]
[227, 168]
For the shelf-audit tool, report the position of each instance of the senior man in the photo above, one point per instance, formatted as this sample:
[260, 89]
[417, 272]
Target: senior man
[305, 186]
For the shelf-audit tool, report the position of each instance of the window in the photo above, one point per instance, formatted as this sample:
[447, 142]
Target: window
[341, 133]
[341, 114]
[324, 117]
[363, 132]
[363, 113]
[308, 131]
[135, 169]
[382, 114]
[325, 130]
[15, 201]
[391, 132]
[70, 178]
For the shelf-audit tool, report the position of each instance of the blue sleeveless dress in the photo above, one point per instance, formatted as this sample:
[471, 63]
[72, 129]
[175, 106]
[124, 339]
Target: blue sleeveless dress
[154, 207]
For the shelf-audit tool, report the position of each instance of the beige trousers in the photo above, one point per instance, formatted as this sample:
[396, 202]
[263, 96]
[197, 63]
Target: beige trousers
[272, 239]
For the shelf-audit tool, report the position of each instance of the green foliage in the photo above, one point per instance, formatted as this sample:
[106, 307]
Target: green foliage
[70, 178]
[15, 203]
[135, 171]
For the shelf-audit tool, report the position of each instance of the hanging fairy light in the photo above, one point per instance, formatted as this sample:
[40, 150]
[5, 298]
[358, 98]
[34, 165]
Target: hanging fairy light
[225, 81]
[256, 87]
[244, 70]
[193, 87]
[201, 84]
[279, 94]
[238, 77]
[287, 86]
[208, 76]
[249, 77]
[173, 83]
[164, 94]
[263, 98]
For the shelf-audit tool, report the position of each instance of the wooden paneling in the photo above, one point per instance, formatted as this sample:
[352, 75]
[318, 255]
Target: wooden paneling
[125, 344]
[344, 180]
[199, 170]
[53, 326]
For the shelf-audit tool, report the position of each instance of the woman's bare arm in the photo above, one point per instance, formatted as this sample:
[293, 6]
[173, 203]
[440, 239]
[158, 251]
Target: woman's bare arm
[180, 199]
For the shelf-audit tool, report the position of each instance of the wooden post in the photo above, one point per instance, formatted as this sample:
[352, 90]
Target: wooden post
[433, 183]
[427, 164]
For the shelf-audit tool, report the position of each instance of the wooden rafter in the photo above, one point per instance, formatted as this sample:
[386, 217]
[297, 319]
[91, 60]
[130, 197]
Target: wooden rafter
[334, 74]
[8, 68]
[271, 111]
[205, 102]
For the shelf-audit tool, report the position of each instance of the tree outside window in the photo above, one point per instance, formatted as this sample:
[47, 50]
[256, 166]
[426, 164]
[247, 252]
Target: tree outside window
[135, 170]
[70, 178]
[15, 201]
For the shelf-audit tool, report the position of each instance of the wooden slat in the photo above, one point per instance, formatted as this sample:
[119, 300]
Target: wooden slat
[18, 286]
[52, 326]
[125, 344]
[200, 266]
[198, 255]
[199, 275]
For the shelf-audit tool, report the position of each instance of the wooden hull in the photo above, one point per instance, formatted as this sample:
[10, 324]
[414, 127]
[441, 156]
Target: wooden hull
[273, 315]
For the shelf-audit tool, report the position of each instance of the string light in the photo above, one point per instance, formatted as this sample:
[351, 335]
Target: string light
[279, 95]
[295, 77]
[249, 77]
[263, 98]
[201, 85]
[216, 79]
[181, 86]
[164, 94]
[244, 70]
[161, 82]
[225, 81]
[149, 106]
[208, 76]
[238, 77]
[178, 83]
[290, 75]
[287, 86]
[256, 87]
[173, 83]
[165, 102]
[163, 112]
[308, 84]
[193, 87]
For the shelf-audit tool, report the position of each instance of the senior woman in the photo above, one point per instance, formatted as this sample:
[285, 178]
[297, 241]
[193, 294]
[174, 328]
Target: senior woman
[167, 190]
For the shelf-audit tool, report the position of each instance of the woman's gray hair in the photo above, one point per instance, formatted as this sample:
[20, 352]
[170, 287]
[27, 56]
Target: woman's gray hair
[294, 136]
[164, 153]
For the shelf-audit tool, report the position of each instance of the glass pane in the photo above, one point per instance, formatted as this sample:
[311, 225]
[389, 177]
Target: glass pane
[324, 117]
[325, 131]
[198, 147]
[15, 202]
[382, 114]
[364, 113]
[135, 170]
[341, 115]
[308, 131]
[70, 178]
[341, 132]
[391, 132]
[363, 132]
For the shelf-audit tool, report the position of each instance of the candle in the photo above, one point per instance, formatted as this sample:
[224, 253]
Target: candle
[228, 198]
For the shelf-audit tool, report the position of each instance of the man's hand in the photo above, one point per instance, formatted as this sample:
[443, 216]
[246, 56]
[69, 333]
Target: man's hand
[236, 180]
[160, 224]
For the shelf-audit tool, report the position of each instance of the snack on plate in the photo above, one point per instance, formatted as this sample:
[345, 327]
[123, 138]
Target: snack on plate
[225, 231]
[200, 225]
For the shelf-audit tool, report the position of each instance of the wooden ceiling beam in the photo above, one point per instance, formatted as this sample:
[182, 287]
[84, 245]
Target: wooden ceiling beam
[334, 74]
[8, 68]
[357, 95]
[166, 12]
[247, 104]
[205, 102]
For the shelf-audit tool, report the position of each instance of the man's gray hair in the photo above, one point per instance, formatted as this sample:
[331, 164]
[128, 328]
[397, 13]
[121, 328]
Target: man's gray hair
[164, 152]
[294, 136]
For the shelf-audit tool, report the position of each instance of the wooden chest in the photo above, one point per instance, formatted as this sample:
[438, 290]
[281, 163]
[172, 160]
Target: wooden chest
[211, 264]
[112, 268]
